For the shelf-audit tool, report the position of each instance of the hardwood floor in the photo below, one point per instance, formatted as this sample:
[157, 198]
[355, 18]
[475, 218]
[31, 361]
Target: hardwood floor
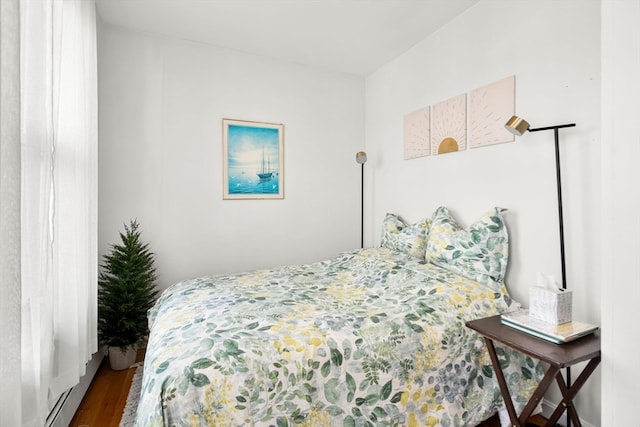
[535, 421]
[106, 398]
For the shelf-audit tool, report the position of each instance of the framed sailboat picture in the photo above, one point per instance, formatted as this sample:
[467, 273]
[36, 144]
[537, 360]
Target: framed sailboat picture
[253, 159]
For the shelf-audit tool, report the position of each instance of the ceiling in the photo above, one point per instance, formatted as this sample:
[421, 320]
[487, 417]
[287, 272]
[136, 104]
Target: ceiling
[352, 36]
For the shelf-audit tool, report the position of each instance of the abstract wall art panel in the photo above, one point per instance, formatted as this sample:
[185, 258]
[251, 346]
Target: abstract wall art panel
[417, 131]
[449, 125]
[489, 109]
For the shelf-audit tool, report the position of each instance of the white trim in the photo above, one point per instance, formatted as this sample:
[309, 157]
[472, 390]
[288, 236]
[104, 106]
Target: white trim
[548, 407]
[63, 412]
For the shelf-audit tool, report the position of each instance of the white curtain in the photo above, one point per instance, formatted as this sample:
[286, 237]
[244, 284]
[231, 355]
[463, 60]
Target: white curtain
[9, 212]
[59, 199]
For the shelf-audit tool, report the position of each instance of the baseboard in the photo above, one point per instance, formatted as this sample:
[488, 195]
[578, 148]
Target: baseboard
[548, 408]
[68, 404]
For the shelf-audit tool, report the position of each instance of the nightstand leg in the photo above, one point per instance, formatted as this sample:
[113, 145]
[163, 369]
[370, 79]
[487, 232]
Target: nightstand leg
[506, 395]
[568, 393]
[534, 400]
[538, 394]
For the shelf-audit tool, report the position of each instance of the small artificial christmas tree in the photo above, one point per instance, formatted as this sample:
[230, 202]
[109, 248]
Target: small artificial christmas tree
[126, 291]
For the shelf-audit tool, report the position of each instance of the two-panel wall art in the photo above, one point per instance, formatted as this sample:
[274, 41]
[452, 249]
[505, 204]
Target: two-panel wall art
[475, 119]
[253, 159]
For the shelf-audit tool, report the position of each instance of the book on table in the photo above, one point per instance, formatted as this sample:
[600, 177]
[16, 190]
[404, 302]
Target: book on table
[556, 333]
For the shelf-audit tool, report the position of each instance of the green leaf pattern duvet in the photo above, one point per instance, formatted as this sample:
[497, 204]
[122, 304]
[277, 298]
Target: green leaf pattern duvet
[369, 338]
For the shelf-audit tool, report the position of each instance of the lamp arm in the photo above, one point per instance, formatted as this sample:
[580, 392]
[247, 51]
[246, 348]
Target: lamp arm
[570, 125]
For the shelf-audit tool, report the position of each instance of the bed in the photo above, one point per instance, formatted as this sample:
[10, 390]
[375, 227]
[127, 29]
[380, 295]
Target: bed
[371, 337]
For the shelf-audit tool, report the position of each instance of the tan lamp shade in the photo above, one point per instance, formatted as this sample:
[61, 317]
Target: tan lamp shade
[361, 157]
[517, 125]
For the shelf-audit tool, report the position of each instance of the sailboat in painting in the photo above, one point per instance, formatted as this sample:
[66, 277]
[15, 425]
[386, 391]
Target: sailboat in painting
[265, 171]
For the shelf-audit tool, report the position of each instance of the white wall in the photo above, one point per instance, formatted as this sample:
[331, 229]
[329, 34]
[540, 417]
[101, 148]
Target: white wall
[161, 105]
[620, 211]
[553, 49]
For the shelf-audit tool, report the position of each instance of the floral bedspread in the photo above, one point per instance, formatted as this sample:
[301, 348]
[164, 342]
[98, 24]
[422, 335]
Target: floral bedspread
[369, 338]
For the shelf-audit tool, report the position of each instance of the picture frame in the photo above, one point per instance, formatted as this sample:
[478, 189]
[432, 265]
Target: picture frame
[449, 126]
[417, 134]
[490, 107]
[253, 159]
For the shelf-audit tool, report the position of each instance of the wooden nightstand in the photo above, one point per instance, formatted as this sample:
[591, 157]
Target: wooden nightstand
[557, 356]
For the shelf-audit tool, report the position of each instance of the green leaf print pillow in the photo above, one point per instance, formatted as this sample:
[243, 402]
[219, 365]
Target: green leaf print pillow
[477, 252]
[400, 236]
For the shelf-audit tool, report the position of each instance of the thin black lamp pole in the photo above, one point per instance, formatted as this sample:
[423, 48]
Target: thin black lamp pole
[361, 158]
[560, 221]
[362, 206]
[559, 187]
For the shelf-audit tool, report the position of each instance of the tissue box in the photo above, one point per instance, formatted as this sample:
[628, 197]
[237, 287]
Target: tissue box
[552, 306]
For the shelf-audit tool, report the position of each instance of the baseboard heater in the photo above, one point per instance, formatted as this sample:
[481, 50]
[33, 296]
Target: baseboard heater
[68, 403]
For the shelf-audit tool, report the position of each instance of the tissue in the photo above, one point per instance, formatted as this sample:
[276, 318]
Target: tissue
[548, 302]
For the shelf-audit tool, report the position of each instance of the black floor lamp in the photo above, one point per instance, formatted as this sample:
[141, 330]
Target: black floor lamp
[361, 159]
[519, 126]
